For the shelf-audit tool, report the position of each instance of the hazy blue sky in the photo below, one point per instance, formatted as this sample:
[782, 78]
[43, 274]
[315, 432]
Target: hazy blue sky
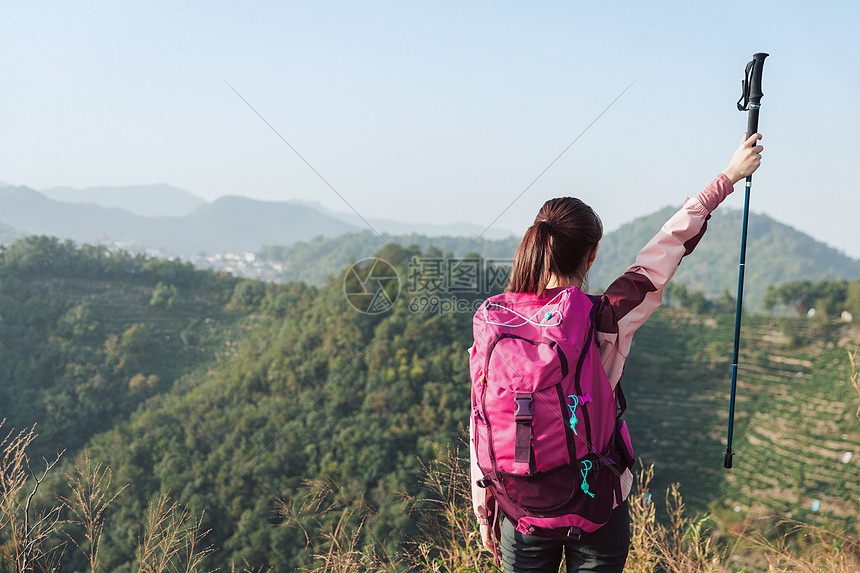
[437, 112]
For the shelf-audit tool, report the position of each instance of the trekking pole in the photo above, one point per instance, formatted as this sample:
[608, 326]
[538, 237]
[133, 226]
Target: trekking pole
[750, 101]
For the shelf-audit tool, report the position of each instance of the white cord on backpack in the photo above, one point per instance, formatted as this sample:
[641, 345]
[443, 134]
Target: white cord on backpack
[554, 302]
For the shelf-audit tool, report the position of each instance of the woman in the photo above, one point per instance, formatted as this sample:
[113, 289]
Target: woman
[555, 254]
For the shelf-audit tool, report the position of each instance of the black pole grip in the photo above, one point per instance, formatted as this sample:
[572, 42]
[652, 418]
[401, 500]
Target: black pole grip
[752, 121]
[754, 92]
[755, 77]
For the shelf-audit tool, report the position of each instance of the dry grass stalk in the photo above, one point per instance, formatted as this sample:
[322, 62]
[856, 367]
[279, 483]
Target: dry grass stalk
[644, 535]
[171, 539]
[453, 541]
[685, 544]
[249, 569]
[681, 546]
[339, 551]
[294, 512]
[28, 532]
[820, 550]
[90, 488]
[343, 555]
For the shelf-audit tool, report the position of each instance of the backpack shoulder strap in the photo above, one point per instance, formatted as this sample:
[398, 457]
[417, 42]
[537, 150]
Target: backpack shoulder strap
[620, 400]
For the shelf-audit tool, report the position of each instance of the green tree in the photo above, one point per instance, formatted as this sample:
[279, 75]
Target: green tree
[852, 299]
[164, 295]
[78, 321]
[828, 297]
[247, 296]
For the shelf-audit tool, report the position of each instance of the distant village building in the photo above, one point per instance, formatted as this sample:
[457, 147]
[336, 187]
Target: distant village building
[245, 264]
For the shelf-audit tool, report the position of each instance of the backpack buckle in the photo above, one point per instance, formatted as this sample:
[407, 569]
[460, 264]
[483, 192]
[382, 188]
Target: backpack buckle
[523, 411]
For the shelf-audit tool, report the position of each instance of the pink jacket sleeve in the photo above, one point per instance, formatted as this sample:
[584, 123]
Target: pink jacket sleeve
[636, 294]
[479, 494]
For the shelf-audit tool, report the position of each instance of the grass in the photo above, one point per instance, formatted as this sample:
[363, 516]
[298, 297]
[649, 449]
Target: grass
[36, 539]
[671, 539]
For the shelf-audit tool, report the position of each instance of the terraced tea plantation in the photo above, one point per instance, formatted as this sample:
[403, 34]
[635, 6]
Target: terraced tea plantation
[801, 434]
[184, 335]
[796, 437]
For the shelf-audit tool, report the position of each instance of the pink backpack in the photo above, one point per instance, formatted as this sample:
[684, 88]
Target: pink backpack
[547, 432]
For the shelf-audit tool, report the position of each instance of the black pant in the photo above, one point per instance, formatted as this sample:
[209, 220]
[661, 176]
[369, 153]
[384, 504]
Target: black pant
[604, 550]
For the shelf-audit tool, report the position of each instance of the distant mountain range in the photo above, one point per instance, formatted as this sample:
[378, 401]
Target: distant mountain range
[232, 224]
[171, 219]
[392, 227]
[159, 200]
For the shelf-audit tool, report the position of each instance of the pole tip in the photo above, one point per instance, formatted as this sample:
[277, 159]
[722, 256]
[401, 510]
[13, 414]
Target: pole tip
[728, 461]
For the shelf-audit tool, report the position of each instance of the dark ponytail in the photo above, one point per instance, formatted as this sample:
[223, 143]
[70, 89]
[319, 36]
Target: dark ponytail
[565, 232]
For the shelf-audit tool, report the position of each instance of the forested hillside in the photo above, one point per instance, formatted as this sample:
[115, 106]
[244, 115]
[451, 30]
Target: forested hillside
[232, 395]
[87, 335]
[316, 261]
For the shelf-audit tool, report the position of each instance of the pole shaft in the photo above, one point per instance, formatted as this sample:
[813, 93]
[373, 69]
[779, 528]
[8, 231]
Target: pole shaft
[738, 315]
